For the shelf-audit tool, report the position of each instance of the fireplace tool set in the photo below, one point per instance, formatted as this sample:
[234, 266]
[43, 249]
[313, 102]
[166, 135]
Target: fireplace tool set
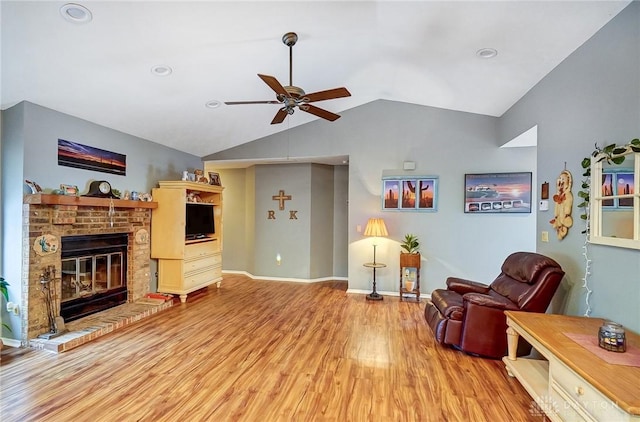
[56, 322]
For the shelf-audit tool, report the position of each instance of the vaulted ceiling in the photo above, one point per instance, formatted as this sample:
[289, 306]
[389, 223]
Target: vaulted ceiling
[105, 70]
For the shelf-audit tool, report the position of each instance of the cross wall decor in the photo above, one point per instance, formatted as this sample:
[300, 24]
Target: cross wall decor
[281, 197]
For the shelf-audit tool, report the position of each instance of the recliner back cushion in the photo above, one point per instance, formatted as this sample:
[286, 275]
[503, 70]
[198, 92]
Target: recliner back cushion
[526, 267]
[509, 288]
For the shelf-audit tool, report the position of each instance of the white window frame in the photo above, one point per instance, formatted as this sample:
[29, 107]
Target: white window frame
[596, 210]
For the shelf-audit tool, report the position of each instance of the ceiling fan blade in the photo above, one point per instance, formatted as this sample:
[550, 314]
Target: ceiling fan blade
[327, 95]
[252, 102]
[319, 112]
[274, 84]
[280, 116]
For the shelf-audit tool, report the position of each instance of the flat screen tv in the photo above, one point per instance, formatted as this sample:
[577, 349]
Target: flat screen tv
[199, 221]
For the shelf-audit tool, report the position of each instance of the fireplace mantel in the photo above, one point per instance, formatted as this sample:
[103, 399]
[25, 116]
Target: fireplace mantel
[84, 201]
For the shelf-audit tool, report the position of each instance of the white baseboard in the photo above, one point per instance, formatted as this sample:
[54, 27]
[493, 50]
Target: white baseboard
[317, 280]
[11, 342]
[383, 293]
[295, 280]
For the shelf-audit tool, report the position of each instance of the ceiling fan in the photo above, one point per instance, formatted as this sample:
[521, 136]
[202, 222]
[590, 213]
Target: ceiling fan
[291, 96]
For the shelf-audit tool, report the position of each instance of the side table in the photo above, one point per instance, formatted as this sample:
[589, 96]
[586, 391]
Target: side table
[375, 265]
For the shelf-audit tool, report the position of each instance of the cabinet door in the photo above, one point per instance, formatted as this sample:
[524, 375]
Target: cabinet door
[168, 223]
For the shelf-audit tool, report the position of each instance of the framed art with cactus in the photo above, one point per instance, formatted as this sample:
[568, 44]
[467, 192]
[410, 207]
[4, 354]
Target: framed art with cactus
[410, 194]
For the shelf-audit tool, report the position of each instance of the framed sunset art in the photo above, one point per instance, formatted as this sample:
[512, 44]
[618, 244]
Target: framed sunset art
[410, 194]
[507, 193]
[73, 154]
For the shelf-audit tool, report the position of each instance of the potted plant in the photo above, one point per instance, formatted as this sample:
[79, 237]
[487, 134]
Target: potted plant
[410, 243]
[5, 293]
[409, 258]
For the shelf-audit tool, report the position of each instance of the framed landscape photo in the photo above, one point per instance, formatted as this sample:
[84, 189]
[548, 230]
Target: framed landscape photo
[73, 154]
[507, 193]
[410, 193]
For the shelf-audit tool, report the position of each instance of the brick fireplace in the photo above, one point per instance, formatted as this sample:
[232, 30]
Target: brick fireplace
[49, 218]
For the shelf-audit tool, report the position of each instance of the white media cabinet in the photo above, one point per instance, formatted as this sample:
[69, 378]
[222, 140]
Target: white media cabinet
[185, 266]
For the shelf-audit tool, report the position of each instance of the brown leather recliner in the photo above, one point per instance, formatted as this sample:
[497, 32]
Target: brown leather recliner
[470, 316]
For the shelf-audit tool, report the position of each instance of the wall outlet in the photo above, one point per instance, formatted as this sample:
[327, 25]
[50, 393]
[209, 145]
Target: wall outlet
[545, 236]
[13, 308]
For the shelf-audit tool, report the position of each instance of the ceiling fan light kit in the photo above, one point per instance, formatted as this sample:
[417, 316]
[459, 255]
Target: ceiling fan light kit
[291, 96]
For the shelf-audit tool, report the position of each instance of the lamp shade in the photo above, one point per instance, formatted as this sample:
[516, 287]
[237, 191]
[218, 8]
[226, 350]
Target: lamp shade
[375, 227]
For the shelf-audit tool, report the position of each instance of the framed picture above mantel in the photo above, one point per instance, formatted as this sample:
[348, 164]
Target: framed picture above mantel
[417, 193]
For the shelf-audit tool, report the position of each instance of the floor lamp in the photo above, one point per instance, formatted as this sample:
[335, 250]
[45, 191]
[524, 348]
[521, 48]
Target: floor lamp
[375, 228]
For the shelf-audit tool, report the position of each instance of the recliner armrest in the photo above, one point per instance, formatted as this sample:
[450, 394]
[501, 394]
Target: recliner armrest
[462, 286]
[490, 301]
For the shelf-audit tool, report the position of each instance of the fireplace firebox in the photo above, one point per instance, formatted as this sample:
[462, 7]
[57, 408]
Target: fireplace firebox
[94, 272]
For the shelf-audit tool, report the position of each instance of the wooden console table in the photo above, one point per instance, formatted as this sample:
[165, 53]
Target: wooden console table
[572, 383]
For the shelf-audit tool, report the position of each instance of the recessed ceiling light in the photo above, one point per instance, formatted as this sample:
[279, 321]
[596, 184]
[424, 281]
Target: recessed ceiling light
[75, 13]
[161, 70]
[213, 104]
[487, 53]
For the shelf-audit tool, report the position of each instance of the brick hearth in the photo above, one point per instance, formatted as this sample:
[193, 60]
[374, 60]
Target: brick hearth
[60, 216]
[97, 325]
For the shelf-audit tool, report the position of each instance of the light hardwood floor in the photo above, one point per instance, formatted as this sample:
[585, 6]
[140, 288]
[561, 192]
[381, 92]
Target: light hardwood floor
[264, 351]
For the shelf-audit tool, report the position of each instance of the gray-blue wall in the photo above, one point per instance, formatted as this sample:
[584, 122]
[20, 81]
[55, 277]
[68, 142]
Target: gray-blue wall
[378, 137]
[304, 241]
[30, 151]
[592, 97]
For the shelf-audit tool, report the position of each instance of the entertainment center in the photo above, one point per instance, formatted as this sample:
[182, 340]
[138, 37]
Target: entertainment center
[186, 236]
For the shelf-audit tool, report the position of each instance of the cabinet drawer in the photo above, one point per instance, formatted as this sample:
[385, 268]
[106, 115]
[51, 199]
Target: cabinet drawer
[201, 278]
[587, 400]
[563, 407]
[197, 250]
[200, 263]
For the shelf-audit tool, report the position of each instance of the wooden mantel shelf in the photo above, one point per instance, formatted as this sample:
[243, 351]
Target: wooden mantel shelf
[84, 201]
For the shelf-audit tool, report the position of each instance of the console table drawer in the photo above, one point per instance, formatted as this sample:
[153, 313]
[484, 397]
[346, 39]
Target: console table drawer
[563, 408]
[578, 393]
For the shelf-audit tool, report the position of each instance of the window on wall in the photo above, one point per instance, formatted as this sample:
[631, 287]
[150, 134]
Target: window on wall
[615, 204]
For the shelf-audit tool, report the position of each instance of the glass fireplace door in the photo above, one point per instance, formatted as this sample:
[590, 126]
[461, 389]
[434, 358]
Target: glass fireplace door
[87, 275]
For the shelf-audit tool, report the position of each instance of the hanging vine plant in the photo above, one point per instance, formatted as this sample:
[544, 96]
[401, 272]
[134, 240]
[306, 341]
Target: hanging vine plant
[613, 154]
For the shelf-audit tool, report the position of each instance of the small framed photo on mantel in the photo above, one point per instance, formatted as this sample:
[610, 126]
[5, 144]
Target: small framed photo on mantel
[214, 178]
